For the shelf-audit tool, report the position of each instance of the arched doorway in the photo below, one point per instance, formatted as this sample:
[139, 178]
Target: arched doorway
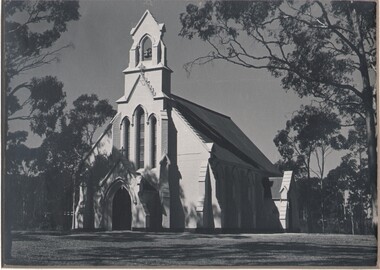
[121, 210]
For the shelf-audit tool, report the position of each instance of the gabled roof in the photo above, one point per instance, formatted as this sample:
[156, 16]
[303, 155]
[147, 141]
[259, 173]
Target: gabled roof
[147, 13]
[222, 130]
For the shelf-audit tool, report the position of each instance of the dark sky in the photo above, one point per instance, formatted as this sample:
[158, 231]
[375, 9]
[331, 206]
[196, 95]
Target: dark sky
[254, 99]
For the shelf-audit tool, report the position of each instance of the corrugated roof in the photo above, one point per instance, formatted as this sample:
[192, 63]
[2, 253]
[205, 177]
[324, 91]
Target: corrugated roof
[223, 131]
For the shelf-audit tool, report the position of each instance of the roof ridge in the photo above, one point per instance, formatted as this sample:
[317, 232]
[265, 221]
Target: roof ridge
[203, 107]
[146, 12]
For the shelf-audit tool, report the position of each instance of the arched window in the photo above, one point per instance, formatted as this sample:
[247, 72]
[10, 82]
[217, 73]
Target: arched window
[153, 141]
[146, 49]
[126, 137]
[140, 136]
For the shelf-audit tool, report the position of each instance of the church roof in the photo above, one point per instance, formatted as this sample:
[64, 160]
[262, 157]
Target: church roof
[220, 129]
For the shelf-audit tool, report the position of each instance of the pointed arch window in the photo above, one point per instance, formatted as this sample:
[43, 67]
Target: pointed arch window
[153, 141]
[140, 136]
[126, 137]
[146, 49]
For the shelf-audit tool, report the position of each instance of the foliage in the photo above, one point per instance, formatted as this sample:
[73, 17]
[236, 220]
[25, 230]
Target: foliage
[311, 132]
[349, 178]
[31, 29]
[61, 154]
[54, 165]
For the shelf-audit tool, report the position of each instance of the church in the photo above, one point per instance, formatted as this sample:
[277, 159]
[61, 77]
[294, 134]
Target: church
[177, 165]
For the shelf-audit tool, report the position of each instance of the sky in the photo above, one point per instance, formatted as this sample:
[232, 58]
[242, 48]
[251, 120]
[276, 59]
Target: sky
[254, 99]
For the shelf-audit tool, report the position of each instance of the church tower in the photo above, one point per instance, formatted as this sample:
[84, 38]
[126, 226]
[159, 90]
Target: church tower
[143, 109]
[147, 57]
[141, 128]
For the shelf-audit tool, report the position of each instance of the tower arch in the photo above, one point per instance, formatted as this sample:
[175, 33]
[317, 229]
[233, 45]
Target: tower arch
[146, 46]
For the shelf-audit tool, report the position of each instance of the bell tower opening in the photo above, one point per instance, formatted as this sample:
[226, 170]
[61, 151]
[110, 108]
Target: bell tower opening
[121, 210]
[146, 49]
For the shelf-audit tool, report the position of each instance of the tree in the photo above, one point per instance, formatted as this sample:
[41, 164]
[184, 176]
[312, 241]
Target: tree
[61, 153]
[30, 29]
[309, 137]
[353, 171]
[349, 179]
[324, 50]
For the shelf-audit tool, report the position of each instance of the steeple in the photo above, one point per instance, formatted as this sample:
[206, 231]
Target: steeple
[147, 58]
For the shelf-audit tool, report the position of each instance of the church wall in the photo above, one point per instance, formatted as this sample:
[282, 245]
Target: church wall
[293, 223]
[267, 211]
[192, 158]
[271, 216]
[238, 201]
[213, 218]
[158, 80]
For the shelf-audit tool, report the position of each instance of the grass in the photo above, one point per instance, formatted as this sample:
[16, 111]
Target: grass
[128, 248]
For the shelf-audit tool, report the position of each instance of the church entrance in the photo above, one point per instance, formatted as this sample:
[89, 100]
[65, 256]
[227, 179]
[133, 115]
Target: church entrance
[121, 210]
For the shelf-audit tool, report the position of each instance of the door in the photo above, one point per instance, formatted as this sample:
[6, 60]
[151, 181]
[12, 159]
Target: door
[121, 210]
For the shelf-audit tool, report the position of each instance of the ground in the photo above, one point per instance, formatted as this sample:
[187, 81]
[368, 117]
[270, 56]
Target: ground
[126, 248]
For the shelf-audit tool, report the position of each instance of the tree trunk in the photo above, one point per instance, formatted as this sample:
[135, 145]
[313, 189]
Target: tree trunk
[322, 208]
[352, 220]
[368, 101]
[372, 164]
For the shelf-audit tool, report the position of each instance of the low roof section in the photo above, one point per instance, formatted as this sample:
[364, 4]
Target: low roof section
[275, 187]
[218, 128]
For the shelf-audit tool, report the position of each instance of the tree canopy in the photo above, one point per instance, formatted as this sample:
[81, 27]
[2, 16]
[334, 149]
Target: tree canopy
[31, 29]
[311, 133]
[315, 47]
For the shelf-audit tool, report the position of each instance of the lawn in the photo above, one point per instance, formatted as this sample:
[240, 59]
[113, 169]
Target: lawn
[128, 248]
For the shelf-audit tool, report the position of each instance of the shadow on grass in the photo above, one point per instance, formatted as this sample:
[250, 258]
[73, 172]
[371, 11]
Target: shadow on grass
[18, 236]
[160, 249]
[309, 254]
[114, 237]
